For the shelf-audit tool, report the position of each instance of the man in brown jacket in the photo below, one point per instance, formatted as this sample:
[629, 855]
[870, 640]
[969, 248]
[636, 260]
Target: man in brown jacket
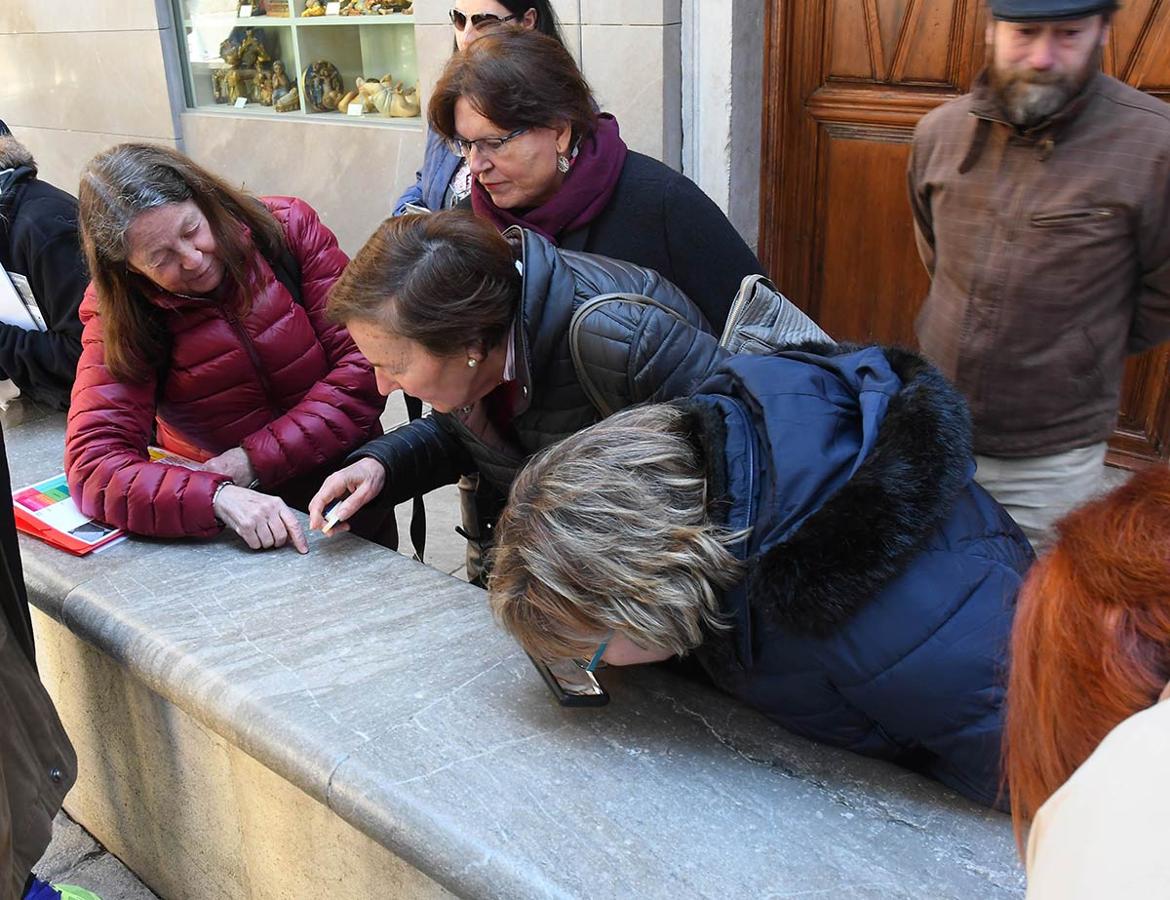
[1042, 211]
[37, 763]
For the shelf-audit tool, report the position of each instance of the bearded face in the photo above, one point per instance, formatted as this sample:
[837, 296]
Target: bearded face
[1036, 68]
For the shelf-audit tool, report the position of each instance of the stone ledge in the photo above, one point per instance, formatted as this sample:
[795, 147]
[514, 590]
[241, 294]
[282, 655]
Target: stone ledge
[382, 689]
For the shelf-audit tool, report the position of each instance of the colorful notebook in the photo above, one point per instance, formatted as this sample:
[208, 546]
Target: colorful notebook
[46, 510]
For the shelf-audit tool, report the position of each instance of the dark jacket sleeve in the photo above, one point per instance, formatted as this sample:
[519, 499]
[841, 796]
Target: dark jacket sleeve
[635, 351]
[418, 457]
[48, 253]
[708, 258]
[1151, 319]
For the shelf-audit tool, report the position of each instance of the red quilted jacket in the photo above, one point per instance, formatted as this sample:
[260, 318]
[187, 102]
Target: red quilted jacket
[283, 383]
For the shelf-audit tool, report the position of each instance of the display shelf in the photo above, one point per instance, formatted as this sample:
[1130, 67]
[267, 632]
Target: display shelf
[226, 57]
[391, 19]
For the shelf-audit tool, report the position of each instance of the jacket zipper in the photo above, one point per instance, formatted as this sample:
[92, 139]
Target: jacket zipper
[246, 339]
[737, 307]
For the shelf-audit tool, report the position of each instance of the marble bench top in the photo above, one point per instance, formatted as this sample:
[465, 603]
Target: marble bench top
[383, 689]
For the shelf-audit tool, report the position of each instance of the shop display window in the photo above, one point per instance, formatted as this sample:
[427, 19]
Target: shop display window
[298, 58]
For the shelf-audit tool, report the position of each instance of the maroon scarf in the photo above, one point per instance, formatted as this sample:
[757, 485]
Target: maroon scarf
[585, 192]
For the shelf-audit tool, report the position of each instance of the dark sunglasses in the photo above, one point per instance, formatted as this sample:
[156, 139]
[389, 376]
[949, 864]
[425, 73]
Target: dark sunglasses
[459, 20]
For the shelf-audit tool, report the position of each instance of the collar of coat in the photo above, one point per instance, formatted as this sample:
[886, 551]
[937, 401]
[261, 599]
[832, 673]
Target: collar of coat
[864, 535]
[986, 111]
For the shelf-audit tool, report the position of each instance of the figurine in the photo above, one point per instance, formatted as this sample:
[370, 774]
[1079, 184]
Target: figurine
[252, 51]
[262, 89]
[290, 101]
[323, 86]
[280, 83]
[313, 8]
[376, 95]
[351, 97]
[405, 104]
[239, 83]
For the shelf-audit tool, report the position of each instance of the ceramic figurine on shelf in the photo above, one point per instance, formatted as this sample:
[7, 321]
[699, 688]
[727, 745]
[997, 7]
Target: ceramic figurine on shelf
[354, 8]
[289, 101]
[350, 97]
[239, 83]
[405, 104]
[313, 8]
[280, 83]
[253, 53]
[376, 95]
[276, 8]
[323, 86]
[262, 89]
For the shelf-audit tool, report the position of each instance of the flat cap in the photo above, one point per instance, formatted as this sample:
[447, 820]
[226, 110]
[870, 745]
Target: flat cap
[1047, 10]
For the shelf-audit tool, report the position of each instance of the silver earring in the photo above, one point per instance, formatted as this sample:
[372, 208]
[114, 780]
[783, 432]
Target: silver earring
[562, 163]
[472, 362]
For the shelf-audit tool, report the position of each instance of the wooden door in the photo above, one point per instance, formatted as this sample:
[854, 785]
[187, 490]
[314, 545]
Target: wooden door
[850, 79]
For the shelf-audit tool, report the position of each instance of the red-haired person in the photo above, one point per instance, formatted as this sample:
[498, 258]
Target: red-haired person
[1087, 738]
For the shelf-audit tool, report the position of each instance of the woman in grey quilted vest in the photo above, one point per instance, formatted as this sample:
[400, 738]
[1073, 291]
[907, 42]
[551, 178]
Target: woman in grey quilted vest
[514, 344]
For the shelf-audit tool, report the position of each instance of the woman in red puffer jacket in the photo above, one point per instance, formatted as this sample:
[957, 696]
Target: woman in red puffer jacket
[206, 321]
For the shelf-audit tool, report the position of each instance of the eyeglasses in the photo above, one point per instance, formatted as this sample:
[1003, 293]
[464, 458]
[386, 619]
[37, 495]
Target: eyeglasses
[488, 146]
[595, 663]
[479, 21]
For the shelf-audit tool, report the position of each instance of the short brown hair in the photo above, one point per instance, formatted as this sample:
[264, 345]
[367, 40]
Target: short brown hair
[447, 280]
[517, 78]
[124, 181]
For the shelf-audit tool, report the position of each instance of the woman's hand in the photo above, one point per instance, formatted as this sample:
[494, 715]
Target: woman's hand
[234, 464]
[363, 481]
[263, 521]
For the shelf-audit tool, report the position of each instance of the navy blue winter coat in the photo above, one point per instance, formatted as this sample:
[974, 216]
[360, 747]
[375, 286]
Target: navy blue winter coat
[882, 579]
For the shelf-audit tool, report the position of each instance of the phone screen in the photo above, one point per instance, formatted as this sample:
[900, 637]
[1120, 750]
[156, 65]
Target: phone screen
[571, 684]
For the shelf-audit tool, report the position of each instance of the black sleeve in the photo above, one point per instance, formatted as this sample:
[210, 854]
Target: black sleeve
[418, 457]
[637, 352]
[708, 257]
[44, 363]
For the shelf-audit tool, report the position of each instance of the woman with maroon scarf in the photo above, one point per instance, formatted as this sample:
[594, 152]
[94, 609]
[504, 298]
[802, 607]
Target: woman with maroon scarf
[541, 156]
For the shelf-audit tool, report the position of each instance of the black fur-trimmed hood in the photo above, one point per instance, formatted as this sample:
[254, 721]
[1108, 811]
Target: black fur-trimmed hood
[811, 572]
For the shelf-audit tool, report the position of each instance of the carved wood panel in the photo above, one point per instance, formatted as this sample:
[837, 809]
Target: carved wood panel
[850, 78]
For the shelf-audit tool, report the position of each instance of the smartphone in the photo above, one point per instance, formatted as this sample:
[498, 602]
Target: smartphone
[570, 684]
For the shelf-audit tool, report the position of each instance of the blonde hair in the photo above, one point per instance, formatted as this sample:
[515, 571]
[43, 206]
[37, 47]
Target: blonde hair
[609, 530]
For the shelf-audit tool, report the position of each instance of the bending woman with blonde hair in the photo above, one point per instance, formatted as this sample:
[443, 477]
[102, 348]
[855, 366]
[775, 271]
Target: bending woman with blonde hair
[807, 527]
[1087, 740]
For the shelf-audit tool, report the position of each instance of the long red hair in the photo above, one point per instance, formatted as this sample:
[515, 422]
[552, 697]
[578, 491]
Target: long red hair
[1091, 640]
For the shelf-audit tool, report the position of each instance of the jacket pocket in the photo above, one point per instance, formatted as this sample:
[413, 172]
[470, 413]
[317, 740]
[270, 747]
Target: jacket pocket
[1065, 217]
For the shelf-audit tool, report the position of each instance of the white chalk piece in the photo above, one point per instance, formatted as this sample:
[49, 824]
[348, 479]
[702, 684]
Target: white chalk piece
[332, 517]
[241, 102]
[355, 108]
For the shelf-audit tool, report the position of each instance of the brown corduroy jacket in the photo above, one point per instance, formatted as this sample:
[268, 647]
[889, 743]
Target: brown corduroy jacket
[1049, 255]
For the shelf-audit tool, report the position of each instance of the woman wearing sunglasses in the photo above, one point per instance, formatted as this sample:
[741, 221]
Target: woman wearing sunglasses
[444, 179]
[806, 527]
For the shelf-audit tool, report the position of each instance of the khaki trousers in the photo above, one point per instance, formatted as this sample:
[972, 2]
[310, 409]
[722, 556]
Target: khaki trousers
[1038, 491]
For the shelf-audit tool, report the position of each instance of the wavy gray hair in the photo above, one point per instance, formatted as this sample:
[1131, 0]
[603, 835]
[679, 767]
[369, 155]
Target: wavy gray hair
[609, 530]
